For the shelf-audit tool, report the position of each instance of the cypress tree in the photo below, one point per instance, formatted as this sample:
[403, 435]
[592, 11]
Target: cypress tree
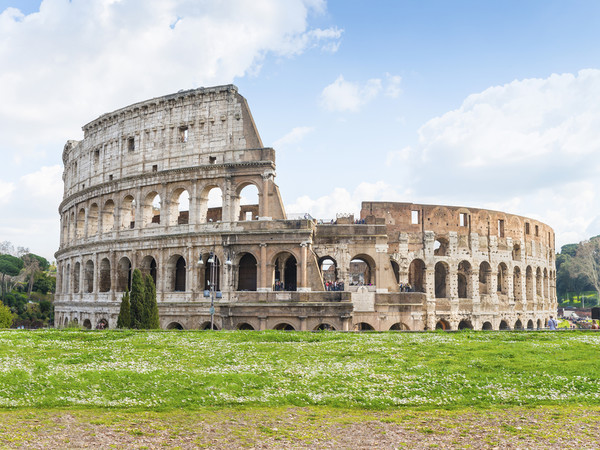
[137, 299]
[124, 320]
[151, 307]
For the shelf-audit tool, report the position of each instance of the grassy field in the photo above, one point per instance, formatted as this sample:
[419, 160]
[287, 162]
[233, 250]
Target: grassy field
[190, 370]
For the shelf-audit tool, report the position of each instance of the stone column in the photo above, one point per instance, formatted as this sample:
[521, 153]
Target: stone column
[263, 269]
[303, 270]
[302, 322]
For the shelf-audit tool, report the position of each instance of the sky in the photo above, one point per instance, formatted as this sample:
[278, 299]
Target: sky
[467, 103]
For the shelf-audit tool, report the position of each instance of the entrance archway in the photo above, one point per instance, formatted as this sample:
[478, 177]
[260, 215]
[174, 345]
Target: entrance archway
[442, 325]
[285, 272]
[247, 273]
[416, 275]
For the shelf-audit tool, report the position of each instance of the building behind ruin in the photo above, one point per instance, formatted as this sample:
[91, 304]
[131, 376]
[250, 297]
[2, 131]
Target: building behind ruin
[136, 195]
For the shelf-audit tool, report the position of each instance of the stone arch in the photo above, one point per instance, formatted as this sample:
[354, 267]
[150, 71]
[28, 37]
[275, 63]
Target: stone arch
[529, 284]
[175, 326]
[206, 326]
[440, 246]
[530, 324]
[76, 275]
[516, 252]
[487, 326]
[538, 282]
[124, 275]
[485, 281]
[416, 275]
[546, 285]
[364, 326]
[518, 325]
[247, 272]
[66, 322]
[517, 285]
[80, 223]
[284, 326]
[442, 324]
[503, 325]
[502, 279]
[285, 272]
[324, 327]
[395, 270]
[539, 324]
[67, 287]
[465, 324]
[245, 326]
[93, 220]
[108, 216]
[151, 209]
[246, 202]
[104, 276]
[88, 276]
[148, 266]
[440, 217]
[464, 280]
[128, 213]
[179, 207]
[362, 270]
[441, 280]
[211, 204]
[87, 324]
[102, 324]
[329, 271]
[72, 226]
[212, 271]
[399, 326]
[176, 273]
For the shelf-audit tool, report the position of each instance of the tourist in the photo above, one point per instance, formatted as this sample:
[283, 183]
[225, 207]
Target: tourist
[552, 323]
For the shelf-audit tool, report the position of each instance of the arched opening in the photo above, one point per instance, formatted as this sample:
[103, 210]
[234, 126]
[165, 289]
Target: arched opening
[362, 271]
[67, 288]
[503, 325]
[416, 275]
[465, 325]
[104, 283]
[88, 280]
[212, 272]
[80, 223]
[174, 326]
[516, 252]
[284, 327]
[529, 284]
[364, 326]
[440, 246]
[128, 213]
[399, 327]
[87, 324]
[102, 324]
[75, 321]
[441, 277]
[546, 284]
[539, 324]
[124, 275]
[530, 324]
[395, 270]
[245, 327]
[518, 325]
[211, 204]
[108, 216]
[148, 267]
[247, 273]
[285, 272]
[206, 326]
[442, 325]
[179, 210]
[66, 323]
[502, 279]
[485, 275]
[464, 280]
[329, 272]
[177, 272]
[487, 326]
[324, 327]
[76, 275]
[93, 220]
[151, 209]
[538, 283]
[517, 285]
[247, 205]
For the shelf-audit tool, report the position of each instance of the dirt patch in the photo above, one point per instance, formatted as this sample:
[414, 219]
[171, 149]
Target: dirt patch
[265, 428]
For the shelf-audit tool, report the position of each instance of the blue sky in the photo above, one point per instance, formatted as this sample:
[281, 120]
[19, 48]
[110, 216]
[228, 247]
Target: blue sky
[483, 104]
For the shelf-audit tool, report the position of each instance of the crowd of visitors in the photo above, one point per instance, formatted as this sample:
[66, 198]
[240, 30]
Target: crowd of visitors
[334, 285]
[406, 287]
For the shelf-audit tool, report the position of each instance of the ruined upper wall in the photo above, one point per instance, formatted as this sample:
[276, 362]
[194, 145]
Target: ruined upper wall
[190, 128]
[400, 218]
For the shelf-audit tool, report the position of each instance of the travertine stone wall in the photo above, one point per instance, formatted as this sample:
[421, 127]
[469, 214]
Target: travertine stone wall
[137, 191]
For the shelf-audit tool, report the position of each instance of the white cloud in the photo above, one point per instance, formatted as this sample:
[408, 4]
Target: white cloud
[6, 189]
[351, 96]
[46, 184]
[293, 137]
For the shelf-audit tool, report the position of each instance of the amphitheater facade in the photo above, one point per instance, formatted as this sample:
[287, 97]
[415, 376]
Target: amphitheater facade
[140, 191]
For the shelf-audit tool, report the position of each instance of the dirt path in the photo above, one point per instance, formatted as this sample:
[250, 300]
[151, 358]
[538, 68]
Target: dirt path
[265, 428]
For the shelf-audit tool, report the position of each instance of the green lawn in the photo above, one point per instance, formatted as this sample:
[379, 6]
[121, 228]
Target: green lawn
[192, 370]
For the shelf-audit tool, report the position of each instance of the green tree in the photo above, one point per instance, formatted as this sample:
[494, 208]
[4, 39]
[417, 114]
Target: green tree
[151, 321]
[124, 319]
[9, 266]
[137, 298]
[6, 316]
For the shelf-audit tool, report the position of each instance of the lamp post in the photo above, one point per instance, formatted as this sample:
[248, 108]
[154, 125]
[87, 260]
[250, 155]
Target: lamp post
[211, 285]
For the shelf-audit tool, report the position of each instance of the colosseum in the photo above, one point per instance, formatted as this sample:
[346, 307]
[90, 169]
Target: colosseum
[166, 186]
